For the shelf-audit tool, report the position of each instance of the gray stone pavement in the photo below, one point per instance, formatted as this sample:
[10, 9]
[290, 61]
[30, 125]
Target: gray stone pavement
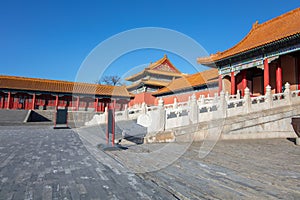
[38, 162]
[237, 169]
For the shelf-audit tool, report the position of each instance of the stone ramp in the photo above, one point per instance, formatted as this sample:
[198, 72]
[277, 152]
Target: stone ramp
[12, 116]
[271, 123]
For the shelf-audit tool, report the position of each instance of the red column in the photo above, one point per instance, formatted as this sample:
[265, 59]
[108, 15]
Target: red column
[1, 102]
[56, 102]
[77, 104]
[266, 74]
[8, 100]
[232, 81]
[33, 102]
[101, 107]
[220, 84]
[244, 81]
[96, 104]
[298, 69]
[278, 78]
[113, 123]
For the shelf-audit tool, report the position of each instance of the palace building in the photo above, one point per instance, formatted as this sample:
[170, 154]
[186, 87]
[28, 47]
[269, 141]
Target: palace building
[42, 94]
[269, 55]
[154, 77]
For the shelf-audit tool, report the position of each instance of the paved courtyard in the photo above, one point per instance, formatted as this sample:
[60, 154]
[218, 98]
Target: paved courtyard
[37, 162]
[42, 163]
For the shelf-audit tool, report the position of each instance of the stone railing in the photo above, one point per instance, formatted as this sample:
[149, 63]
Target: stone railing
[205, 109]
[126, 114]
[193, 111]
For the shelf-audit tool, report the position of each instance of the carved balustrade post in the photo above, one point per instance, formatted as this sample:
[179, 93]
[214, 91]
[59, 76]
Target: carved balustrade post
[287, 93]
[226, 96]
[269, 97]
[175, 104]
[144, 108]
[238, 94]
[194, 110]
[162, 115]
[223, 104]
[126, 115]
[247, 100]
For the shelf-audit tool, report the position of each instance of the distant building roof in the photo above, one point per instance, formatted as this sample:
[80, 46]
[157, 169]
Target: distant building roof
[148, 82]
[55, 86]
[161, 67]
[189, 82]
[279, 28]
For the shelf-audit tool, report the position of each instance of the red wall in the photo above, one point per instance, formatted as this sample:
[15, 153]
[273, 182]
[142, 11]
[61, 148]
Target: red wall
[151, 100]
[143, 97]
[185, 97]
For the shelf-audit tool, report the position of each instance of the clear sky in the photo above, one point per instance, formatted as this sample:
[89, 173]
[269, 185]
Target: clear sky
[51, 39]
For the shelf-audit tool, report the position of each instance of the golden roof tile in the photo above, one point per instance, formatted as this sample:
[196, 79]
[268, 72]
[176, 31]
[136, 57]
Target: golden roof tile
[155, 68]
[191, 81]
[281, 27]
[55, 86]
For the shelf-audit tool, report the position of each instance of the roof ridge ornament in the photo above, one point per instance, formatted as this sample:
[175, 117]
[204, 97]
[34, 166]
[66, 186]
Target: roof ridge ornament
[255, 25]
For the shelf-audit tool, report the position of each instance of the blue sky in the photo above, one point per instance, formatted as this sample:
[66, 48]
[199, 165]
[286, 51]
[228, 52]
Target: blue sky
[51, 39]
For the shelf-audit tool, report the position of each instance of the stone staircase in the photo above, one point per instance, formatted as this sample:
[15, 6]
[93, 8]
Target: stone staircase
[12, 116]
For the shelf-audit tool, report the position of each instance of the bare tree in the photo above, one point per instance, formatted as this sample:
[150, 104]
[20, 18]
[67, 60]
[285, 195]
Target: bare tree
[110, 80]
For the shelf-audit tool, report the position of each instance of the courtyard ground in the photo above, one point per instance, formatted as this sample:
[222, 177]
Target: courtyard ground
[38, 162]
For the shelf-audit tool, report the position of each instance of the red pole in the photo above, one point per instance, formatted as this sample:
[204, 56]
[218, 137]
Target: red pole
[33, 101]
[56, 102]
[232, 80]
[244, 81]
[1, 105]
[77, 104]
[266, 74]
[8, 100]
[298, 67]
[107, 125]
[278, 78]
[113, 123]
[96, 105]
[101, 107]
[220, 84]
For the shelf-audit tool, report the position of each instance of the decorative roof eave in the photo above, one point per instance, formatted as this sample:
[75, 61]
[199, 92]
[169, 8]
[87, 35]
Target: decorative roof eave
[136, 76]
[190, 82]
[276, 29]
[170, 74]
[161, 92]
[211, 62]
[151, 69]
[147, 82]
[60, 94]
[161, 61]
[61, 87]
[146, 71]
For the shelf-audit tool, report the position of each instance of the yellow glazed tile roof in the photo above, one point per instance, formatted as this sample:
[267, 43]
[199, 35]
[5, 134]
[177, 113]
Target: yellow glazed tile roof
[273, 30]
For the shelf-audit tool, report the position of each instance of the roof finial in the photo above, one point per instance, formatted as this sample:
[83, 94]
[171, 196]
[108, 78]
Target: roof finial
[165, 56]
[255, 25]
